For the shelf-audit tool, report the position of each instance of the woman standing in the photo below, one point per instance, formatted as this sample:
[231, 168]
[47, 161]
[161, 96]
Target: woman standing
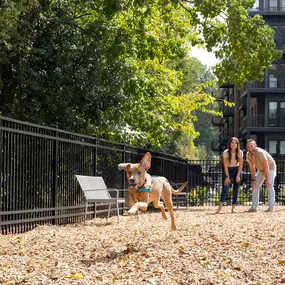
[233, 161]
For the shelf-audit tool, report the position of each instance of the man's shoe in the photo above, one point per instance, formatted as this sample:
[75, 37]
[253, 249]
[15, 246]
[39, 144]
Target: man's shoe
[269, 210]
[252, 210]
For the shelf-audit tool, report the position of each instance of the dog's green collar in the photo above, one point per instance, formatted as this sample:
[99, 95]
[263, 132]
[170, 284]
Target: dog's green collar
[144, 189]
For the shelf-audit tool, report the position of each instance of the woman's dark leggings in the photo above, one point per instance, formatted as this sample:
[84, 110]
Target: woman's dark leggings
[232, 175]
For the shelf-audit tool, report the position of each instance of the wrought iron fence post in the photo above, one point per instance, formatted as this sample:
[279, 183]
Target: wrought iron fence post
[94, 159]
[188, 180]
[55, 176]
[1, 174]
[94, 170]
[124, 173]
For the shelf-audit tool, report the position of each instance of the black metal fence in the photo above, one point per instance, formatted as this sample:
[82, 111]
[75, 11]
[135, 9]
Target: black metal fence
[206, 182]
[38, 166]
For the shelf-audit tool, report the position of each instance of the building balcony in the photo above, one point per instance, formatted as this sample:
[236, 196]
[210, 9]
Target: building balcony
[264, 122]
[254, 85]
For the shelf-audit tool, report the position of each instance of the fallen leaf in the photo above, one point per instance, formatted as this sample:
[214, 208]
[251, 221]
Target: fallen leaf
[75, 276]
[281, 261]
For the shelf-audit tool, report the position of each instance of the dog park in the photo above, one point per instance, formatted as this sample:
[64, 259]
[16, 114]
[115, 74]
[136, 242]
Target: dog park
[50, 236]
[241, 248]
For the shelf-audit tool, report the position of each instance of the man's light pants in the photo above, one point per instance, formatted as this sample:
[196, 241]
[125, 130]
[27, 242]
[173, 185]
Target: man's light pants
[260, 177]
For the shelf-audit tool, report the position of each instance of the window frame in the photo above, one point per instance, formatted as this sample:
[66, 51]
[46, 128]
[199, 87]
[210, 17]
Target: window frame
[280, 82]
[279, 122]
[277, 146]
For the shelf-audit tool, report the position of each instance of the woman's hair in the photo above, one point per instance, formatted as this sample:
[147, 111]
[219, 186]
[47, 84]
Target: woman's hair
[237, 149]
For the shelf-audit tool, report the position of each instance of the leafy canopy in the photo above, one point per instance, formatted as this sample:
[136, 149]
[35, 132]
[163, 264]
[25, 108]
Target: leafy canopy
[106, 67]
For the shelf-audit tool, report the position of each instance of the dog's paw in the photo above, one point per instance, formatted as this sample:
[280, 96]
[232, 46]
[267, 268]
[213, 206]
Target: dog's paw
[173, 227]
[133, 211]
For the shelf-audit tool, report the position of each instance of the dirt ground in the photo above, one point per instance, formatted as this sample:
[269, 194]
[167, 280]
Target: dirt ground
[228, 248]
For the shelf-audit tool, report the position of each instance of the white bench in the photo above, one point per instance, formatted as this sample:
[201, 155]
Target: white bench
[95, 191]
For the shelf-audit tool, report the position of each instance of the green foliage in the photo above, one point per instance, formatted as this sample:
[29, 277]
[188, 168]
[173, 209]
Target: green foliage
[120, 69]
[242, 197]
[244, 44]
[198, 196]
[197, 76]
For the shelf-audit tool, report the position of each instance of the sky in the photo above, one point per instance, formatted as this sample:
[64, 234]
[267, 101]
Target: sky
[205, 57]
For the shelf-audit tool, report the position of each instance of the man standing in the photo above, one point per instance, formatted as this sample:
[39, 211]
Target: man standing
[261, 160]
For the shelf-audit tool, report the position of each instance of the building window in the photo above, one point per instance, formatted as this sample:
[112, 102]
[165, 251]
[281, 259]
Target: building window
[277, 147]
[276, 114]
[275, 76]
[272, 5]
[273, 147]
[272, 73]
[256, 5]
[282, 5]
[275, 35]
[282, 75]
[282, 147]
[269, 5]
[272, 120]
[281, 37]
[282, 114]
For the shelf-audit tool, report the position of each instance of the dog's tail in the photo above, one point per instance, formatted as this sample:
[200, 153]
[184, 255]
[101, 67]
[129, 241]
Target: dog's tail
[175, 192]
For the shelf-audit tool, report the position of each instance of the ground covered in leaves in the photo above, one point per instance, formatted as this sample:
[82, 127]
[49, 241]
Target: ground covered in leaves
[241, 248]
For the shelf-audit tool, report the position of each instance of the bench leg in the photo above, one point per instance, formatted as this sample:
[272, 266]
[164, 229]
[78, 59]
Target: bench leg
[109, 211]
[86, 208]
[118, 217]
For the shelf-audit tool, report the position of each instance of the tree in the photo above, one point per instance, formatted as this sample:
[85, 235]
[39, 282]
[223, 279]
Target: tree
[244, 44]
[195, 76]
[104, 67]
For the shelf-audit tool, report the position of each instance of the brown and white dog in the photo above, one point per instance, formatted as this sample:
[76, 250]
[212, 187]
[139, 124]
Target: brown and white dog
[145, 189]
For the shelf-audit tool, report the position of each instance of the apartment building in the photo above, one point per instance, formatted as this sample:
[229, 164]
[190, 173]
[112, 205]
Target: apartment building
[259, 111]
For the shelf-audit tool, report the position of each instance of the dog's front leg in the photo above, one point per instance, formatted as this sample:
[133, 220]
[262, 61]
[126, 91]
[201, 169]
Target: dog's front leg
[138, 206]
[133, 208]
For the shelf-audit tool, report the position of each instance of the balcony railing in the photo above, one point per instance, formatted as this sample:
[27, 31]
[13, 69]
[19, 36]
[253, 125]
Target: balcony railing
[261, 121]
[258, 121]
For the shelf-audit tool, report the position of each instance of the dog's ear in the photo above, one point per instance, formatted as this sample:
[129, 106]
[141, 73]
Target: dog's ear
[145, 162]
[124, 166]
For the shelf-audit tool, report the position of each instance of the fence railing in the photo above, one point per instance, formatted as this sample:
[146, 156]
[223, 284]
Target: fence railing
[38, 166]
[206, 183]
